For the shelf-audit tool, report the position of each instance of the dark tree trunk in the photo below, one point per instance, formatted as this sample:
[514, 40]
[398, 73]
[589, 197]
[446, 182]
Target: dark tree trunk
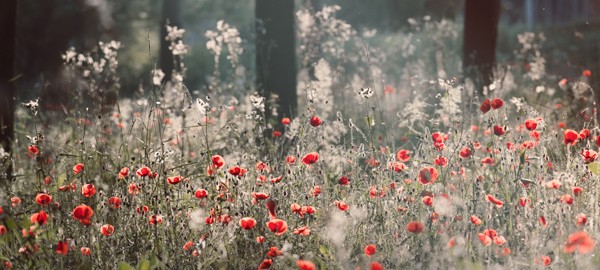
[479, 44]
[8, 20]
[171, 13]
[276, 53]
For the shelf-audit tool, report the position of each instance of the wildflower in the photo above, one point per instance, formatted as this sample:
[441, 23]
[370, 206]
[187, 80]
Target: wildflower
[107, 229]
[43, 199]
[88, 190]
[543, 221]
[218, 161]
[589, 155]
[265, 264]
[247, 223]
[277, 226]
[496, 103]
[403, 155]
[201, 193]
[566, 199]
[493, 200]
[305, 231]
[174, 179]
[465, 152]
[370, 250]
[341, 205]
[134, 189]
[499, 130]
[376, 266]
[315, 121]
[2, 230]
[546, 260]
[277, 133]
[475, 220]
[83, 213]
[577, 191]
[62, 248]
[487, 160]
[441, 161]
[310, 158]
[343, 181]
[485, 106]
[78, 168]
[286, 121]
[530, 124]
[86, 251]
[115, 202]
[143, 171]
[274, 252]
[290, 159]
[570, 136]
[260, 239]
[40, 218]
[237, 171]
[523, 201]
[587, 73]
[142, 209]
[316, 191]
[33, 149]
[260, 195]
[427, 175]
[439, 137]
[155, 219]
[397, 166]
[579, 241]
[554, 184]
[427, 200]
[581, 219]
[305, 265]
[415, 227]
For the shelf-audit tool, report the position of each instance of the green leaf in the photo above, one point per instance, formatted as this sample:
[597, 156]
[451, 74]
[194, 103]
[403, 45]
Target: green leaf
[594, 167]
[125, 266]
[144, 265]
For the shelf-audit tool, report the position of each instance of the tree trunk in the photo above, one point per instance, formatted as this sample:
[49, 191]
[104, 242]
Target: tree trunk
[479, 43]
[8, 20]
[276, 54]
[171, 13]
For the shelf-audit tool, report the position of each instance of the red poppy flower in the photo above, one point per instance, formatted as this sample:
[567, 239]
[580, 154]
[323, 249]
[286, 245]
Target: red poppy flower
[370, 250]
[134, 189]
[493, 200]
[531, 124]
[274, 252]
[566, 199]
[305, 265]
[441, 161]
[487, 160]
[2, 230]
[546, 260]
[577, 191]
[315, 121]
[271, 206]
[305, 231]
[277, 226]
[33, 149]
[83, 213]
[78, 168]
[286, 121]
[499, 130]
[247, 223]
[40, 218]
[465, 152]
[523, 201]
[581, 242]
[439, 137]
[415, 227]
[155, 219]
[237, 171]
[310, 158]
[265, 264]
[316, 191]
[485, 106]
[343, 181]
[587, 73]
[554, 184]
[88, 190]
[570, 136]
[376, 266]
[277, 133]
[218, 161]
[201, 193]
[86, 251]
[115, 202]
[142, 209]
[342, 205]
[403, 155]
[543, 221]
[260, 195]
[260, 239]
[276, 180]
[62, 248]
[397, 166]
[496, 103]
[143, 171]
[290, 159]
[107, 229]
[43, 199]
[475, 220]
[427, 175]
[427, 200]
[174, 179]
[589, 155]
[581, 219]
[124, 172]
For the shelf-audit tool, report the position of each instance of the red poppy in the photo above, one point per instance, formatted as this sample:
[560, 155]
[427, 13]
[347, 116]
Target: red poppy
[143, 171]
[277, 226]
[305, 265]
[523, 201]
[78, 168]
[342, 205]
[40, 218]
[496, 103]
[274, 252]
[589, 155]
[427, 175]
[155, 219]
[546, 260]
[441, 161]
[277, 133]
[260, 239]
[581, 242]
[465, 152]
[201, 193]
[315, 121]
[290, 159]
[86, 251]
[33, 149]
[397, 166]
[43, 199]
[554, 184]
[485, 106]
[88, 190]
[62, 248]
[142, 209]
[115, 202]
[124, 172]
[316, 191]
[475, 220]
[237, 171]
[531, 124]
[499, 130]
[260, 195]
[543, 221]
[107, 229]
[487, 160]
[403, 155]
[343, 180]
[587, 73]
[439, 137]
[427, 200]
[265, 264]
[493, 200]
[370, 250]
[577, 191]
[83, 213]
[566, 199]
[174, 179]
[271, 206]
[376, 266]
[286, 121]
[305, 231]
[415, 227]
[134, 189]
[218, 161]
[581, 219]
[2, 230]
[247, 223]
[570, 136]
[310, 158]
